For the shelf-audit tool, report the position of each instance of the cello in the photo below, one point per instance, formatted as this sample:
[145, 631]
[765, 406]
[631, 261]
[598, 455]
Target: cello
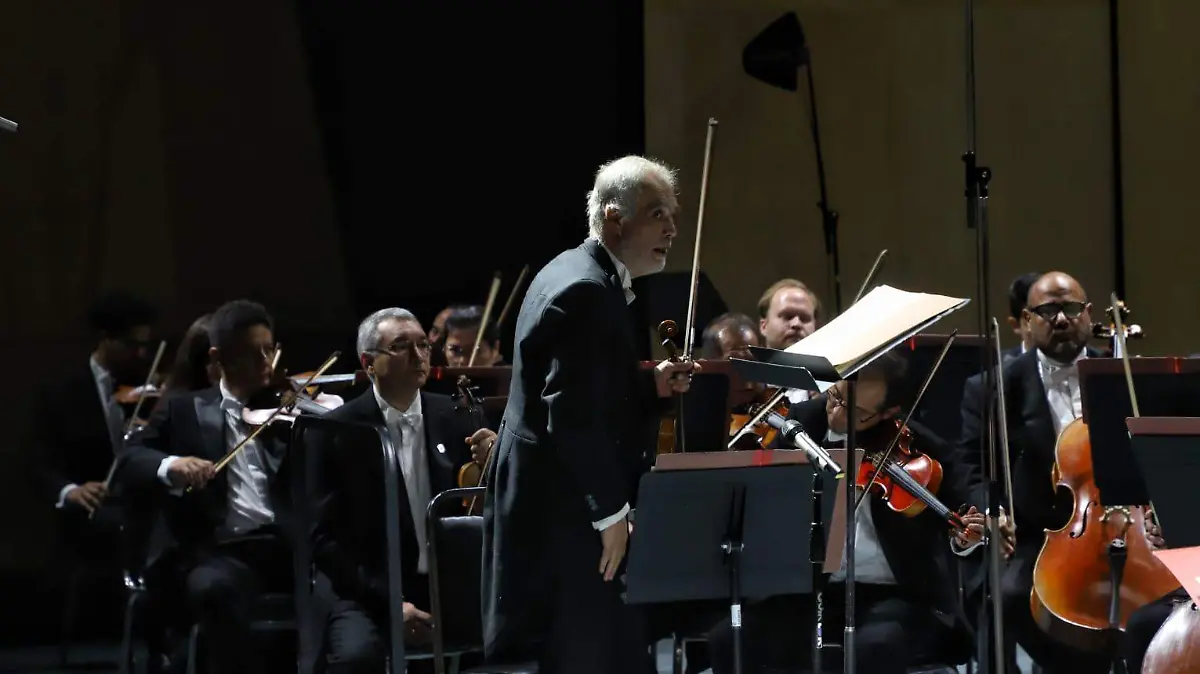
[1096, 570]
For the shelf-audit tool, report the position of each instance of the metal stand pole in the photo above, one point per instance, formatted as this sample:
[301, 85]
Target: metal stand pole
[851, 467]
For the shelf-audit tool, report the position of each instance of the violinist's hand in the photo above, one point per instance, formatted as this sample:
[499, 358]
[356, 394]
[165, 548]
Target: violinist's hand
[418, 625]
[671, 377]
[1008, 530]
[190, 471]
[614, 539]
[481, 442]
[976, 526]
[88, 495]
[1154, 533]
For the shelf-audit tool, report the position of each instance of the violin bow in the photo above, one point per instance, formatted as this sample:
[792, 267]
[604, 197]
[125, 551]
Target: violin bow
[1002, 423]
[512, 296]
[487, 314]
[285, 401]
[907, 417]
[781, 392]
[112, 468]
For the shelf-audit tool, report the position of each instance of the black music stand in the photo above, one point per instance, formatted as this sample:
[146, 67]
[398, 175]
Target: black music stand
[1167, 450]
[707, 529]
[1164, 386]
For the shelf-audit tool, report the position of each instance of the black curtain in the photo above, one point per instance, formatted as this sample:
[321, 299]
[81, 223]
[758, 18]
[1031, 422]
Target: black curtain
[462, 138]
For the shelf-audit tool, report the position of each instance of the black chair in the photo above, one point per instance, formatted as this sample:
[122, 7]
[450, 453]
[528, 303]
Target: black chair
[455, 546]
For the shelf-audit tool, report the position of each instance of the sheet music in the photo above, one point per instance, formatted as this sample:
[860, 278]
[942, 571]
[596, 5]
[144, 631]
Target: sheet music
[880, 319]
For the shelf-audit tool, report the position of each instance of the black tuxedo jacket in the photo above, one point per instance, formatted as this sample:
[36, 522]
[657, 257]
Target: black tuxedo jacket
[917, 548]
[576, 437]
[348, 538]
[194, 425]
[71, 435]
[1031, 443]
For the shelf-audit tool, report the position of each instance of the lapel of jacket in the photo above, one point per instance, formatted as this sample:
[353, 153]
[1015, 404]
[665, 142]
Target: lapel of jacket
[211, 419]
[1036, 419]
[437, 413]
[619, 307]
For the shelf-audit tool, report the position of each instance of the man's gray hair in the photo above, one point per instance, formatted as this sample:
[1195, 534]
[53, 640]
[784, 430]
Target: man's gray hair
[368, 330]
[618, 184]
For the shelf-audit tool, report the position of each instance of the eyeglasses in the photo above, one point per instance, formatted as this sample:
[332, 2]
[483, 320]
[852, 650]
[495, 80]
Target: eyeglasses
[838, 401]
[405, 347]
[1050, 310]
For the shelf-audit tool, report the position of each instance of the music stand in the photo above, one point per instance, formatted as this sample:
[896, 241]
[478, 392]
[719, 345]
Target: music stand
[706, 529]
[1167, 450]
[1165, 387]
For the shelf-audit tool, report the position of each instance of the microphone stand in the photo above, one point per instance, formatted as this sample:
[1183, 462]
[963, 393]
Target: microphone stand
[829, 217]
[977, 178]
[851, 468]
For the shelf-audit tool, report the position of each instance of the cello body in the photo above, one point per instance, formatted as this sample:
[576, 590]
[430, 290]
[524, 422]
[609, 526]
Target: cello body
[1176, 647]
[1072, 587]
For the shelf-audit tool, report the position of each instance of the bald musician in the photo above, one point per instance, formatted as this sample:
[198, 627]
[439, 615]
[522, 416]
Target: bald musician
[730, 335]
[1042, 396]
[574, 440]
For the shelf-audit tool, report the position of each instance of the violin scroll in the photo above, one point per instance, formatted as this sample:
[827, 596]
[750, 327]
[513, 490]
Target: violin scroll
[668, 332]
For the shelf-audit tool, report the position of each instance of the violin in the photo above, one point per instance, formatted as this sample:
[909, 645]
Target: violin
[286, 398]
[468, 399]
[1073, 597]
[669, 423]
[759, 435]
[905, 479]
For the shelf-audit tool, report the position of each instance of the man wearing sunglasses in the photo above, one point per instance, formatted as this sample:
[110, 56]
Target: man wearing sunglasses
[1042, 396]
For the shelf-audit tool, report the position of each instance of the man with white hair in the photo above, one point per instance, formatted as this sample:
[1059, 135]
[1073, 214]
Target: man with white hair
[574, 440]
[433, 441]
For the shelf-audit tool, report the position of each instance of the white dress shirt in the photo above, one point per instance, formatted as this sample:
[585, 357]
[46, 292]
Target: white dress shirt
[407, 431]
[627, 287]
[248, 472]
[114, 417]
[1061, 381]
[870, 563]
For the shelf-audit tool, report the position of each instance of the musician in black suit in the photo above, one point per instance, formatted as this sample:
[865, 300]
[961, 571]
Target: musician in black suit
[78, 425]
[575, 438]
[227, 528]
[906, 611]
[434, 438]
[1042, 396]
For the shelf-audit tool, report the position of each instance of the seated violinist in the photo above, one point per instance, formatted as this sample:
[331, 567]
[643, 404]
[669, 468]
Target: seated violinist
[1145, 622]
[434, 440]
[193, 370]
[223, 523]
[462, 330]
[437, 334]
[906, 610]
[79, 424]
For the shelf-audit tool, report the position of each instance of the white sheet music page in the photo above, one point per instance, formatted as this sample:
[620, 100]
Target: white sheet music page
[880, 320]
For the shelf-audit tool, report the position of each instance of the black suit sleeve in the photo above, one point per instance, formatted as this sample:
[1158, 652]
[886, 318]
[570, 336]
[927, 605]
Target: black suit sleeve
[146, 450]
[577, 327]
[348, 578]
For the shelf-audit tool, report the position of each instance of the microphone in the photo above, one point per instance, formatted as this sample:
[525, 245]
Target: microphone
[793, 433]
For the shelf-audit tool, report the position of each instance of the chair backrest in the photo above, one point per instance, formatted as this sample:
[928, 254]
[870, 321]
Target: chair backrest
[455, 569]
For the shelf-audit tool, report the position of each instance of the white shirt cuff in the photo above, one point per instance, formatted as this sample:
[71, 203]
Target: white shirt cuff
[62, 495]
[963, 552]
[163, 477]
[611, 519]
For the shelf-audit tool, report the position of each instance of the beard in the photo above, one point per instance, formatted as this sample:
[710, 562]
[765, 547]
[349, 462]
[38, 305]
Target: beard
[1064, 347]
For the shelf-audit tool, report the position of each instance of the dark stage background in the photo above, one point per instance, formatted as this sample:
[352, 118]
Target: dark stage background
[325, 158]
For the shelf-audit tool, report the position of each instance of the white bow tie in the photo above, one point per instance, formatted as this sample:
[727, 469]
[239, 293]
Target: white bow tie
[410, 419]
